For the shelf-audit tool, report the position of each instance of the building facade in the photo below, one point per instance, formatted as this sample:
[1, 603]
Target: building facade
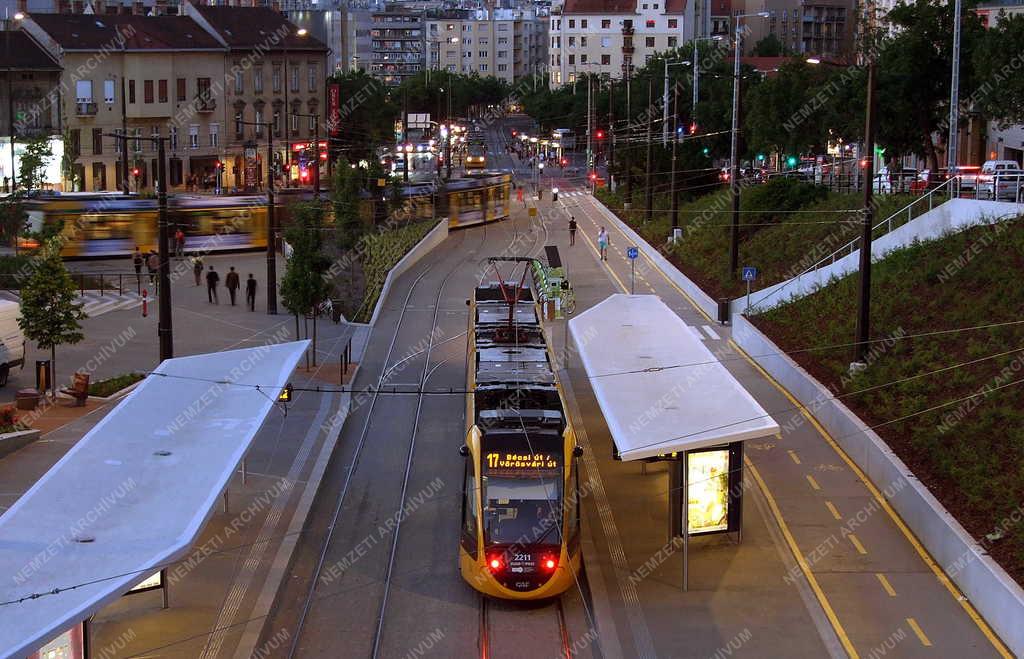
[504, 43]
[819, 28]
[607, 36]
[398, 38]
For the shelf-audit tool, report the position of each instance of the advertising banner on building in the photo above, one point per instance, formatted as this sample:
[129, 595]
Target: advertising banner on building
[334, 110]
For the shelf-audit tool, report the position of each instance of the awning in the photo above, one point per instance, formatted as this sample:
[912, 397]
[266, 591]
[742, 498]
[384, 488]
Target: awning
[135, 492]
[661, 390]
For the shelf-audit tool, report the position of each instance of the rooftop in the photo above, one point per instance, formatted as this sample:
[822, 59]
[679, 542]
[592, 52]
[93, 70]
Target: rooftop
[114, 32]
[26, 55]
[245, 28]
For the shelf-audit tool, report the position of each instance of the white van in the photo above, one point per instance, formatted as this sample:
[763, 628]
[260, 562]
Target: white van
[12, 340]
[993, 166]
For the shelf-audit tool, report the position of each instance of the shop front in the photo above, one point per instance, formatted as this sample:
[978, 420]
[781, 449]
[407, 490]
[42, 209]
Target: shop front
[202, 173]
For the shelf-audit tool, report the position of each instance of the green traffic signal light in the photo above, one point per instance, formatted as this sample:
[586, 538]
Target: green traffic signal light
[791, 161]
[705, 151]
[760, 157]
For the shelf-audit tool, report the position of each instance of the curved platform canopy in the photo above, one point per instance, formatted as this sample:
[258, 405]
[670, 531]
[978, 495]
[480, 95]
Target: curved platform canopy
[134, 493]
[661, 390]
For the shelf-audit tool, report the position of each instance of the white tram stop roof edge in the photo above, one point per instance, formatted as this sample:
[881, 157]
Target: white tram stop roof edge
[134, 493]
[660, 389]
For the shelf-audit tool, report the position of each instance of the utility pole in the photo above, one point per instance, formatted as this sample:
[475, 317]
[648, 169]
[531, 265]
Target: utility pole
[125, 185]
[649, 201]
[864, 308]
[954, 95]
[271, 229]
[164, 325]
[405, 134]
[675, 142]
[316, 169]
[611, 127]
[734, 175]
[629, 140]
[664, 108]
[590, 123]
[696, 75]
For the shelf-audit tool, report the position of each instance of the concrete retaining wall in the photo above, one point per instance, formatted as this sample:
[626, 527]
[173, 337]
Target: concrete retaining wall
[992, 592]
[952, 216]
[12, 441]
[651, 253]
[434, 238]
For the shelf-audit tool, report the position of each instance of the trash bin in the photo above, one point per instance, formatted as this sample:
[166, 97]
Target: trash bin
[42, 374]
[723, 311]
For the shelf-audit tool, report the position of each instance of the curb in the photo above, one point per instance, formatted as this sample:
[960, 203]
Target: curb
[12, 441]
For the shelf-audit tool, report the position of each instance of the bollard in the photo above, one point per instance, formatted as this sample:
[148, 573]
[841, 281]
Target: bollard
[145, 303]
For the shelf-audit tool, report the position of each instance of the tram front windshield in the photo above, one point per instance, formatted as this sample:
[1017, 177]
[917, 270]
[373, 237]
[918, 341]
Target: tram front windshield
[522, 505]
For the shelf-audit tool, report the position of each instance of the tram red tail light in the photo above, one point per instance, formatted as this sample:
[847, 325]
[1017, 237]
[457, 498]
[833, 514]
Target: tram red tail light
[495, 563]
[549, 563]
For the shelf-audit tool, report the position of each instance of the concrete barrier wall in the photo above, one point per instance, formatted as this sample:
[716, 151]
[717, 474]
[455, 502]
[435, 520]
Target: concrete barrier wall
[952, 216]
[434, 238]
[702, 299]
[989, 588]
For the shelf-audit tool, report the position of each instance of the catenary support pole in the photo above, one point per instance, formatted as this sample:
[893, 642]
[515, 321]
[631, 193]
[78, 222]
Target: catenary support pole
[164, 327]
[864, 307]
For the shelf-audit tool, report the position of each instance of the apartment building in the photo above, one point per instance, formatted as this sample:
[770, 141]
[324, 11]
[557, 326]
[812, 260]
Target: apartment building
[398, 44]
[32, 75]
[607, 36]
[135, 72]
[504, 43]
[272, 72]
[819, 28]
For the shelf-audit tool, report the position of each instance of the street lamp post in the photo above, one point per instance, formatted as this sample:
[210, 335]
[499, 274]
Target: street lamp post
[675, 142]
[696, 72]
[734, 175]
[301, 32]
[316, 158]
[271, 229]
[954, 95]
[864, 306]
[10, 92]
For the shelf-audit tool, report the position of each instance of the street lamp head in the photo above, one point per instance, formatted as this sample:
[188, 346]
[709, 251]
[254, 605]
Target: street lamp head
[19, 16]
[813, 60]
[765, 14]
[302, 32]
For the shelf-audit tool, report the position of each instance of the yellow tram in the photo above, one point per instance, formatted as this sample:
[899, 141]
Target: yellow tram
[478, 199]
[520, 537]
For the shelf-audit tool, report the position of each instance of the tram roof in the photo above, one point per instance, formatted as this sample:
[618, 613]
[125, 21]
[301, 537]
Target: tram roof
[659, 387]
[141, 508]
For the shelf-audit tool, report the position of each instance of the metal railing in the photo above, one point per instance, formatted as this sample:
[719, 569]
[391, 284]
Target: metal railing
[1014, 184]
[102, 281]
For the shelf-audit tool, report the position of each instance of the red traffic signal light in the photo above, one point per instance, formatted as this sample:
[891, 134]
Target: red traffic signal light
[135, 172]
[600, 134]
[218, 165]
[693, 128]
[514, 133]
[565, 161]
[593, 176]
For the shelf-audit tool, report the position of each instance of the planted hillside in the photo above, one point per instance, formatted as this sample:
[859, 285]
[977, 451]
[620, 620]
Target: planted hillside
[785, 226]
[969, 450]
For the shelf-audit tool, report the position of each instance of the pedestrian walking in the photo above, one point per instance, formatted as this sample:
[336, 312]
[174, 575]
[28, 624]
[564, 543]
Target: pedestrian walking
[179, 243]
[152, 264]
[602, 243]
[232, 283]
[197, 268]
[250, 292]
[137, 261]
[211, 286]
[572, 231]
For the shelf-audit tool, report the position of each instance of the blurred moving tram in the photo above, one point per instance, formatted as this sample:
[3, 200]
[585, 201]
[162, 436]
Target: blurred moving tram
[520, 517]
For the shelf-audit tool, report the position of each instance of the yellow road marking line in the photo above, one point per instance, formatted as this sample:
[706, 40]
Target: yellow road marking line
[624, 288]
[801, 561]
[814, 483]
[907, 533]
[793, 455]
[778, 436]
[885, 584]
[857, 544]
[832, 509]
[920, 633]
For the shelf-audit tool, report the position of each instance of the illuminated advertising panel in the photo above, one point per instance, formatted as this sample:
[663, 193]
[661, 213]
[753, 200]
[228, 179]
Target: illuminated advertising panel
[69, 645]
[715, 487]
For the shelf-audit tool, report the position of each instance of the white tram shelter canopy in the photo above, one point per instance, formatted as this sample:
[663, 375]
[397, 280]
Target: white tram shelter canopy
[134, 493]
[659, 387]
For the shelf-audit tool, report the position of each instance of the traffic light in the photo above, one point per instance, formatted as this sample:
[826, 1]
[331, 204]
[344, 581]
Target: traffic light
[791, 161]
[135, 172]
[760, 157]
[219, 166]
[593, 176]
[600, 134]
[693, 128]
[514, 132]
[706, 151]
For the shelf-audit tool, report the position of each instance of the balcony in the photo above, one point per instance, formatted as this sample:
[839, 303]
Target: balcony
[628, 50]
[204, 104]
[85, 109]
[627, 31]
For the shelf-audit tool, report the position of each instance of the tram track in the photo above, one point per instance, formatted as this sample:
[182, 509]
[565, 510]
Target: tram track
[502, 624]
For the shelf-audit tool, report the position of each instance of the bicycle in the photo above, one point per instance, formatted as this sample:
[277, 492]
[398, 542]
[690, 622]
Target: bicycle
[568, 298]
[326, 309]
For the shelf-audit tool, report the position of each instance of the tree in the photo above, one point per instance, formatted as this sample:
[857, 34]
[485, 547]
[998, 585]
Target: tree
[34, 159]
[69, 161]
[776, 119]
[13, 219]
[1000, 94]
[304, 285]
[345, 198]
[49, 308]
[770, 46]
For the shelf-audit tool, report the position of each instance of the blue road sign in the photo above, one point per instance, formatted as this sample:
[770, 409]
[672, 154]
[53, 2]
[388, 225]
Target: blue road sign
[632, 252]
[749, 273]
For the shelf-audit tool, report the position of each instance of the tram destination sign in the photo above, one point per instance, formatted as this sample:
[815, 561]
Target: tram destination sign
[519, 463]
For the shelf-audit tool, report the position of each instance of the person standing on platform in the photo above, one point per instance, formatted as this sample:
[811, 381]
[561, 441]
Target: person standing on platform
[137, 261]
[572, 231]
[152, 264]
[197, 268]
[250, 292]
[179, 243]
[211, 286]
[232, 283]
[602, 243]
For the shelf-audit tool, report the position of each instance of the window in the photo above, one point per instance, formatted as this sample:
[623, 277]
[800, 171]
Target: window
[75, 137]
[645, 6]
[311, 124]
[239, 126]
[193, 136]
[483, 41]
[275, 79]
[277, 123]
[502, 41]
[482, 53]
[147, 91]
[572, 59]
[83, 91]
[161, 89]
[673, 23]
[606, 59]
[503, 67]
[214, 134]
[154, 132]
[311, 77]
[467, 40]
[483, 67]
[572, 23]
[97, 141]
[203, 90]
[649, 42]
[583, 42]
[181, 94]
[137, 142]
[606, 23]
[293, 83]
[108, 92]
[174, 138]
[583, 58]
[258, 120]
[239, 78]
[606, 42]
[672, 42]
[294, 122]
[257, 80]
[572, 42]
[583, 23]
[651, 23]
[502, 54]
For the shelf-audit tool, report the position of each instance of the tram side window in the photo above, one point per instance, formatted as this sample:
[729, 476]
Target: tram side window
[469, 512]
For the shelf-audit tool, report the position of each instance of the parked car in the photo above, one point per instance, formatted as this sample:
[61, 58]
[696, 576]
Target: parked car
[968, 175]
[1001, 185]
[993, 166]
[897, 180]
[12, 339]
